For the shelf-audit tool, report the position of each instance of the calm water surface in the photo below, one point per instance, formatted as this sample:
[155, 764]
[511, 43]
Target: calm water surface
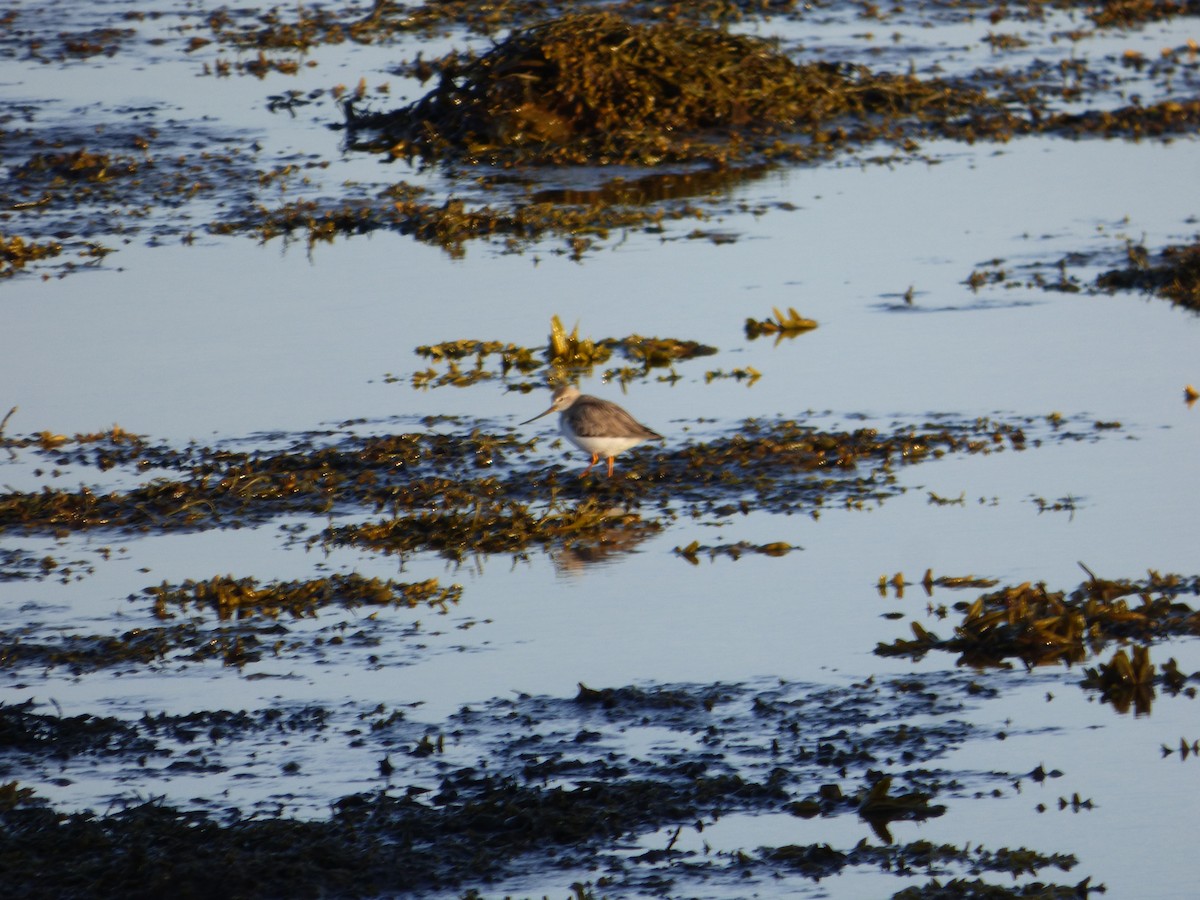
[229, 341]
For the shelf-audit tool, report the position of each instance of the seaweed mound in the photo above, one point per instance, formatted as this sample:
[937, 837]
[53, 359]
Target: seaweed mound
[597, 88]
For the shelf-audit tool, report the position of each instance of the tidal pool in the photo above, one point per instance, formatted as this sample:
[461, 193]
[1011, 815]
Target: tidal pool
[728, 691]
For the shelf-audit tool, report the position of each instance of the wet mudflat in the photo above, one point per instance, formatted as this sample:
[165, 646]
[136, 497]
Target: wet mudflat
[291, 606]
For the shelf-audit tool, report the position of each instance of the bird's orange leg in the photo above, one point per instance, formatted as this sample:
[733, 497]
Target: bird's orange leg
[595, 459]
[610, 465]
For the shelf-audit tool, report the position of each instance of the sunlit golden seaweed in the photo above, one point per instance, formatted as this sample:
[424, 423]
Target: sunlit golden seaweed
[567, 351]
[221, 488]
[954, 581]
[242, 598]
[512, 358]
[782, 325]
[726, 106]
[565, 355]
[654, 352]
[312, 25]
[1040, 627]
[898, 583]
[1160, 119]
[599, 88]
[16, 253]
[272, 35]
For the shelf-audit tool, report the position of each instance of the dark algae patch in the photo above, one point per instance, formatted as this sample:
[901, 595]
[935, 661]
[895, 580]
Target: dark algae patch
[553, 789]
[1039, 627]
[24, 731]
[1174, 274]
[439, 483]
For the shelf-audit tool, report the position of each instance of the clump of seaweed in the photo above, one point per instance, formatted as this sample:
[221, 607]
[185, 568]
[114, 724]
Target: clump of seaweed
[566, 354]
[16, 253]
[749, 374]
[386, 20]
[1160, 119]
[468, 490]
[878, 806]
[1128, 13]
[570, 351]
[233, 597]
[782, 325]
[61, 737]
[598, 88]
[898, 583]
[1176, 276]
[76, 165]
[79, 653]
[1042, 627]
[654, 352]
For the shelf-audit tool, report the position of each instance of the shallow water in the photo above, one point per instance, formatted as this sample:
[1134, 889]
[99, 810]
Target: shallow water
[226, 341]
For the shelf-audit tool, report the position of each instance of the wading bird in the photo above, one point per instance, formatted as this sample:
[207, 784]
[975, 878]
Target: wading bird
[596, 426]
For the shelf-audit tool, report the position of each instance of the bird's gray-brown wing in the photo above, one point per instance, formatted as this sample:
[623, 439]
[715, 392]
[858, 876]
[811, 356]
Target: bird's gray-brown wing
[593, 417]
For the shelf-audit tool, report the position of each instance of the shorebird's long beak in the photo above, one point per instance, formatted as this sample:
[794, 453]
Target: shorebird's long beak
[538, 416]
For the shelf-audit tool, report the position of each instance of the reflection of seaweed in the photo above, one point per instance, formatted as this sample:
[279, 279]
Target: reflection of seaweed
[878, 806]
[782, 325]
[692, 551]
[491, 527]
[1123, 681]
